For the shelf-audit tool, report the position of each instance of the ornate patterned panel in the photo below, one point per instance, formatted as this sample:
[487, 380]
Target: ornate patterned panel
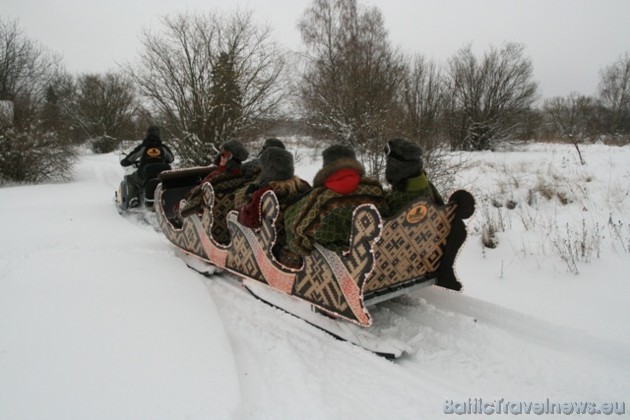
[317, 284]
[411, 245]
[270, 209]
[334, 282]
[240, 256]
[366, 229]
[186, 237]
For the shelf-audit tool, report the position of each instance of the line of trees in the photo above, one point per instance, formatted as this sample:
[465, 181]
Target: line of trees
[208, 78]
[359, 90]
[579, 119]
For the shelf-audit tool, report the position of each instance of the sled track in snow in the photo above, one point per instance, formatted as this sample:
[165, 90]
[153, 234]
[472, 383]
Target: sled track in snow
[456, 342]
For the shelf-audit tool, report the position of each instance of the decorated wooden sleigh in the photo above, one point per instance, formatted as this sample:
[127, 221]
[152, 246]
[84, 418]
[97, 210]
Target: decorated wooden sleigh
[387, 257]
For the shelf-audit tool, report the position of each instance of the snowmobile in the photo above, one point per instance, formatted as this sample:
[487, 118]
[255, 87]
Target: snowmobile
[387, 257]
[129, 196]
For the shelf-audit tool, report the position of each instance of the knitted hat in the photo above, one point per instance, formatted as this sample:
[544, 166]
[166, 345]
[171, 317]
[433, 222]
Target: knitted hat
[404, 160]
[337, 151]
[239, 152]
[276, 164]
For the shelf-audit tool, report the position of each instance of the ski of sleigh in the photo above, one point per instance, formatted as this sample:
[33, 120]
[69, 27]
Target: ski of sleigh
[386, 257]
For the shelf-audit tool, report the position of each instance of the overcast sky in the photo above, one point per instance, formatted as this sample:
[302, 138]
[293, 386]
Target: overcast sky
[569, 41]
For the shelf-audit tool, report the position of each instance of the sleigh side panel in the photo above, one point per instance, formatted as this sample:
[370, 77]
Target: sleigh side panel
[186, 237]
[412, 245]
[334, 282]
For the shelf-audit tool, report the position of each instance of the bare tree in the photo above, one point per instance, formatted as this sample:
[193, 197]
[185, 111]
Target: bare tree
[103, 108]
[488, 98]
[352, 77]
[422, 108]
[614, 94]
[210, 78]
[29, 151]
[54, 116]
[25, 70]
[422, 101]
[571, 117]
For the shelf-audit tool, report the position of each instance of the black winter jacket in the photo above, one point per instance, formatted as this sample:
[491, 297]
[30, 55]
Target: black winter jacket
[151, 150]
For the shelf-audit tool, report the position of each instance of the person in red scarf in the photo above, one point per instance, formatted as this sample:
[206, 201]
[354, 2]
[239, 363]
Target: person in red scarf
[325, 214]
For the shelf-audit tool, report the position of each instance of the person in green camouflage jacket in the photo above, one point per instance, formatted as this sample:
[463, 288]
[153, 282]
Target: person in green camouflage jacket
[405, 173]
[325, 214]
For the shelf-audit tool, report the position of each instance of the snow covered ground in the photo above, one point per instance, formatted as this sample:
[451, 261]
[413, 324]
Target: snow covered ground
[99, 319]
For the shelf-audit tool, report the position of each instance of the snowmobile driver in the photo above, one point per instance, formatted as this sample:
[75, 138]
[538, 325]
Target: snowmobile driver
[150, 151]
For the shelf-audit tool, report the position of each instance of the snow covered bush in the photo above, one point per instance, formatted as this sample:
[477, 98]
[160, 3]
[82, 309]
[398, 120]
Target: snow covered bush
[104, 144]
[33, 156]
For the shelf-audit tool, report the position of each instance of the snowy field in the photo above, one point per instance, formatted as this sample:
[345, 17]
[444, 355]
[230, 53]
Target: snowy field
[99, 319]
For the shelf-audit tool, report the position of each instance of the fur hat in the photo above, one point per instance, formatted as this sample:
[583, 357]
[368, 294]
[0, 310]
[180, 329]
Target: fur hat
[404, 160]
[276, 164]
[239, 152]
[337, 151]
[153, 131]
[273, 142]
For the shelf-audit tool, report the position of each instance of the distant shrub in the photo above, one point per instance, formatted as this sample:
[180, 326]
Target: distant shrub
[33, 156]
[104, 144]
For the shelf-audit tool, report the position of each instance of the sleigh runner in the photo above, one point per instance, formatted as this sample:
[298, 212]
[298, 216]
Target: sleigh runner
[387, 257]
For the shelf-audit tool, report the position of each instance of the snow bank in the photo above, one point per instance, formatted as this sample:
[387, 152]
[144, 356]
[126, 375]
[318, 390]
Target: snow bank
[98, 318]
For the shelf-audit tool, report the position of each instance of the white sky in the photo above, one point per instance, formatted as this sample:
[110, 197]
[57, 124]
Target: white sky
[569, 41]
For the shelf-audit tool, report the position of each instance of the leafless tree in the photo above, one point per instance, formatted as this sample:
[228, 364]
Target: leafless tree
[571, 117]
[422, 101]
[614, 94]
[103, 108]
[352, 76]
[488, 97]
[25, 70]
[54, 116]
[210, 78]
[29, 152]
[422, 108]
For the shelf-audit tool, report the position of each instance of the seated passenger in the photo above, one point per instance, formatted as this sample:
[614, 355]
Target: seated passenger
[325, 214]
[252, 166]
[404, 172]
[277, 175]
[225, 179]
